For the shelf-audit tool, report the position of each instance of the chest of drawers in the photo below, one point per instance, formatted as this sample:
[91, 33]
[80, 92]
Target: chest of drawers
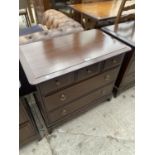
[126, 34]
[72, 73]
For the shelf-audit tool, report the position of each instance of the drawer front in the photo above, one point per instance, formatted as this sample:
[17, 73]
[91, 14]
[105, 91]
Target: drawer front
[112, 62]
[71, 93]
[88, 72]
[128, 78]
[76, 105]
[56, 83]
[23, 116]
[26, 131]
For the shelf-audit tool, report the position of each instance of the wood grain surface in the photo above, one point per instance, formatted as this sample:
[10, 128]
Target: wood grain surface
[100, 10]
[51, 58]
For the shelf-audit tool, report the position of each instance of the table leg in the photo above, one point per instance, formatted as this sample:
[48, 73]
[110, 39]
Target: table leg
[76, 16]
[88, 23]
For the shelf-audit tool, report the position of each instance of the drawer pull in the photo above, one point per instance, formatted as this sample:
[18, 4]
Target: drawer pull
[64, 112]
[62, 97]
[107, 77]
[114, 61]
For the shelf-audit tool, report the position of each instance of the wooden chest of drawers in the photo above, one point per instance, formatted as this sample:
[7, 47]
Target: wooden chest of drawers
[72, 76]
[126, 77]
[126, 34]
[27, 127]
[67, 100]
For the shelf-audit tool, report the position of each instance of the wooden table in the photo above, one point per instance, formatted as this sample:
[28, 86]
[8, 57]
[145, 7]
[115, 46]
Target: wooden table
[126, 34]
[99, 14]
[72, 72]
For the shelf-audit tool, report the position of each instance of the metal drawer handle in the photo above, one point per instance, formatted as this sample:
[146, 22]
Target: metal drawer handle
[107, 77]
[64, 112]
[62, 97]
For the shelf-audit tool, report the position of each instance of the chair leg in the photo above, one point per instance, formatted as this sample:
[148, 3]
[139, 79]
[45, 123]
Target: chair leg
[27, 21]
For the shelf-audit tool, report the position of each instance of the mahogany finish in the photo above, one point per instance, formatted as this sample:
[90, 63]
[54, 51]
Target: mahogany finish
[48, 59]
[72, 72]
[63, 97]
[100, 12]
[125, 33]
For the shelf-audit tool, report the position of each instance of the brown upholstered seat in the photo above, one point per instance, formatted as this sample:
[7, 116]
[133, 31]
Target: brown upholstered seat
[54, 24]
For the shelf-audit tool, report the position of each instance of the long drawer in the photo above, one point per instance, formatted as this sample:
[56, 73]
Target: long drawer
[67, 95]
[76, 105]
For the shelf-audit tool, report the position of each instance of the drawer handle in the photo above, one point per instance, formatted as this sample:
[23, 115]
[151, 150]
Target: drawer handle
[107, 77]
[64, 112]
[114, 61]
[89, 71]
[62, 97]
[57, 83]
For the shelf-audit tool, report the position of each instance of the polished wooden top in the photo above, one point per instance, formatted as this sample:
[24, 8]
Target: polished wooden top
[51, 58]
[125, 32]
[101, 10]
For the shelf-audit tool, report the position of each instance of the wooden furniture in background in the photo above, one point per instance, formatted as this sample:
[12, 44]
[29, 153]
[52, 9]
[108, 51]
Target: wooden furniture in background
[23, 12]
[99, 14]
[27, 127]
[122, 9]
[25, 9]
[125, 33]
[72, 76]
[62, 5]
[40, 7]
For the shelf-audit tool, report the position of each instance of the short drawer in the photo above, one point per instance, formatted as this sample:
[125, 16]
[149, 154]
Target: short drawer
[76, 105]
[88, 72]
[67, 95]
[56, 83]
[112, 62]
[26, 131]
